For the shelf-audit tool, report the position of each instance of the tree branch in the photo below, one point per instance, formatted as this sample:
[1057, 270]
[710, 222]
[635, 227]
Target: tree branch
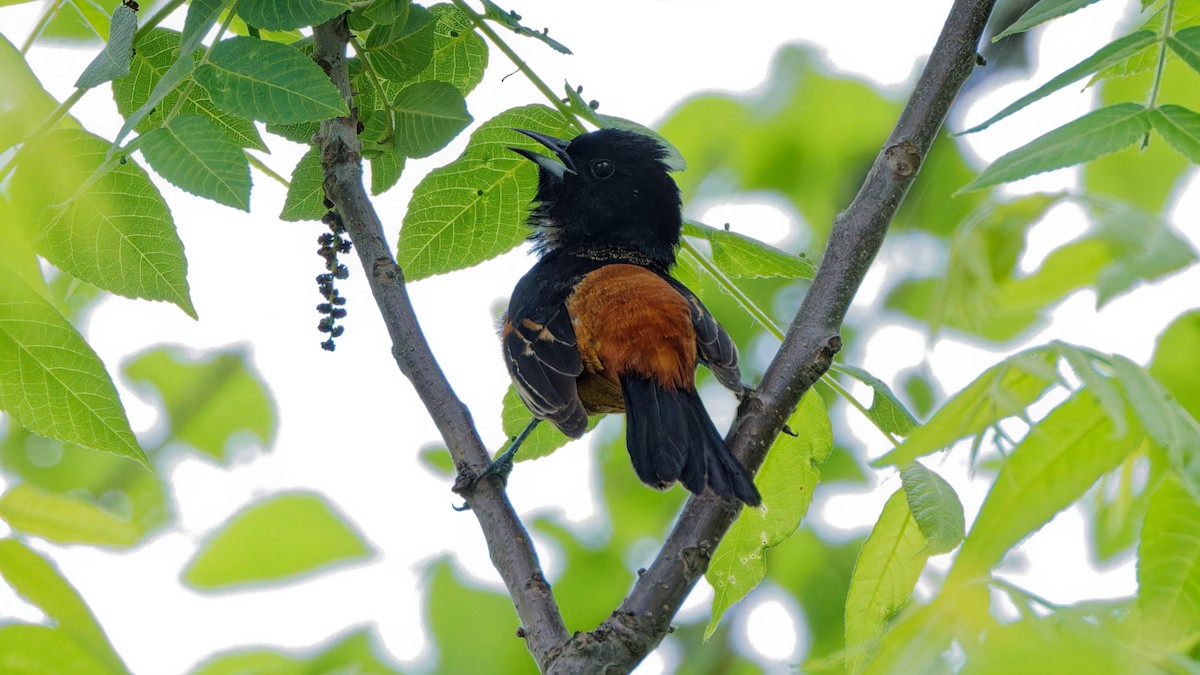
[644, 618]
[508, 543]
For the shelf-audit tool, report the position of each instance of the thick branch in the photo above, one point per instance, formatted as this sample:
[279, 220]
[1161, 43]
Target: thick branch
[508, 543]
[812, 340]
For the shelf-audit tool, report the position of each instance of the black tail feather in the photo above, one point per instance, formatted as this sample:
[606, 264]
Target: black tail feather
[671, 438]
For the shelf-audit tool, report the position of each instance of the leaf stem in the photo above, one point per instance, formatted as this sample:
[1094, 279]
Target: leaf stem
[51, 11]
[1168, 15]
[270, 173]
[537, 82]
[380, 91]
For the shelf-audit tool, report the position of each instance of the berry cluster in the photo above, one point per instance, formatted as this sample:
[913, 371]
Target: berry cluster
[332, 243]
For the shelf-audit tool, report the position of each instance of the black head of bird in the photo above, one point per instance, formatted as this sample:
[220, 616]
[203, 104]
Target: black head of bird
[607, 189]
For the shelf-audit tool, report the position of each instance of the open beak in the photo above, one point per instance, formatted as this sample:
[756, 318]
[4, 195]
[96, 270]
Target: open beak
[557, 145]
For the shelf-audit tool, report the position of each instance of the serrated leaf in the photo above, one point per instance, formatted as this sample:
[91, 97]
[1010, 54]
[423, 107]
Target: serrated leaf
[1186, 43]
[428, 116]
[386, 169]
[27, 649]
[87, 213]
[1042, 12]
[544, 439]
[112, 61]
[1180, 128]
[51, 382]
[148, 93]
[288, 14]
[476, 207]
[1004, 390]
[211, 401]
[1114, 52]
[305, 198]
[1057, 461]
[37, 580]
[402, 51]
[1168, 568]
[196, 156]
[64, 519]
[273, 540]
[511, 21]
[886, 410]
[742, 257]
[1096, 134]
[935, 507]
[268, 81]
[884, 576]
[459, 55]
[786, 481]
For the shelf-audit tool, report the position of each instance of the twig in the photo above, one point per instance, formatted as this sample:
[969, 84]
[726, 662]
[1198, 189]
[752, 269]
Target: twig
[642, 620]
[508, 543]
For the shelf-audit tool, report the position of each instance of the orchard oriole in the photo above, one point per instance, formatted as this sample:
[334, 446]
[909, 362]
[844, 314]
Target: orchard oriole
[598, 325]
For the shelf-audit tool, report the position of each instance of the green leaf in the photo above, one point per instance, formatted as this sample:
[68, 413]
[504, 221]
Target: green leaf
[1063, 642]
[886, 410]
[24, 104]
[113, 61]
[1004, 390]
[1186, 43]
[935, 507]
[403, 50]
[77, 22]
[428, 116]
[149, 93]
[1139, 246]
[1096, 134]
[512, 21]
[35, 578]
[275, 540]
[1180, 128]
[385, 172]
[305, 198]
[51, 381]
[1177, 360]
[884, 576]
[1114, 52]
[288, 14]
[742, 257]
[1056, 462]
[64, 519]
[102, 222]
[544, 439]
[459, 55]
[196, 156]
[475, 208]
[467, 621]
[1168, 568]
[358, 652]
[787, 480]
[268, 81]
[1165, 422]
[1042, 12]
[212, 402]
[40, 650]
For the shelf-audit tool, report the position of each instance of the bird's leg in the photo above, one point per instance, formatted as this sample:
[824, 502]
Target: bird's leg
[503, 465]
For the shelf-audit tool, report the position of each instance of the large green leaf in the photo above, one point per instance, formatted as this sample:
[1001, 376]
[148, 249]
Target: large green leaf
[475, 208]
[102, 221]
[287, 14]
[65, 519]
[35, 578]
[268, 81]
[40, 650]
[112, 61]
[1096, 134]
[786, 481]
[211, 402]
[275, 540]
[305, 198]
[196, 156]
[1169, 566]
[1186, 43]
[1180, 128]
[1042, 12]
[428, 116]
[935, 507]
[403, 50]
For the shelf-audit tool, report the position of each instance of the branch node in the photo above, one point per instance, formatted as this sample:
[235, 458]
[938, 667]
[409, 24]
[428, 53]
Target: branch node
[904, 159]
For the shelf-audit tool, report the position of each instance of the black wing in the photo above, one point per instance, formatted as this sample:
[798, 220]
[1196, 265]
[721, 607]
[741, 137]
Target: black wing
[540, 352]
[714, 347]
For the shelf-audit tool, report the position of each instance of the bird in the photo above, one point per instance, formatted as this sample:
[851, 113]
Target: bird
[598, 324]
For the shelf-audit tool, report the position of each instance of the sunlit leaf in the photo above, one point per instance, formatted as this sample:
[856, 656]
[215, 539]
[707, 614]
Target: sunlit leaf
[428, 116]
[196, 156]
[305, 198]
[385, 172]
[358, 652]
[935, 507]
[1177, 360]
[1169, 565]
[64, 519]
[886, 410]
[113, 61]
[459, 55]
[742, 257]
[24, 104]
[27, 649]
[1063, 642]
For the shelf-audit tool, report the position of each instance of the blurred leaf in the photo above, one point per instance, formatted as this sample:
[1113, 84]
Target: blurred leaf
[63, 519]
[1059, 643]
[594, 579]
[428, 116]
[287, 14]
[935, 507]
[305, 198]
[196, 156]
[1097, 133]
[884, 576]
[1169, 566]
[475, 208]
[1140, 246]
[886, 410]
[148, 94]
[35, 578]
[466, 622]
[1056, 462]
[1180, 128]
[27, 649]
[357, 653]
[817, 572]
[77, 22]
[1119, 508]
[1186, 43]
[1164, 420]
[1004, 390]
[512, 21]
[787, 480]
[1115, 51]
[459, 55]
[268, 81]
[24, 104]
[741, 257]
[87, 212]
[544, 439]
[1177, 360]
[638, 513]
[112, 61]
[920, 392]
[403, 50]
[1042, 12]
[437, 459]
[210, 400]
[275, 540]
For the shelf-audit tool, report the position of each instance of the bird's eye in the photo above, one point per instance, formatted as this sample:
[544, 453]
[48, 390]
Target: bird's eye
[602, 168]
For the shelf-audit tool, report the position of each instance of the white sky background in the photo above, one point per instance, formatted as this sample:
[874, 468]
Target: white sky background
[350, 424]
